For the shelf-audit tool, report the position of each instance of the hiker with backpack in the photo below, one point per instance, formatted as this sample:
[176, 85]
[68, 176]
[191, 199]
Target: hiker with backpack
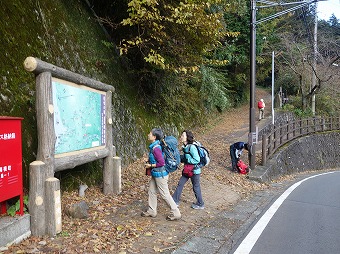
[159, 178]
[192, 170]
[236, 152]
[261, 105]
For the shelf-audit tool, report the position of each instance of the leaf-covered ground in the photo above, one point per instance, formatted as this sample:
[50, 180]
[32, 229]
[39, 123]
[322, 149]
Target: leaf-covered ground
[114, 224]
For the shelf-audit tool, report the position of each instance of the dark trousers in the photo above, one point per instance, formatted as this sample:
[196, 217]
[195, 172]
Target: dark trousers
[234, 160]
[196, 187]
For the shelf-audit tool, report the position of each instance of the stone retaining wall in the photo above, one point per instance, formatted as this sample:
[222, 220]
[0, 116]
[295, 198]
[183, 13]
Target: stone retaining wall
[313, 152]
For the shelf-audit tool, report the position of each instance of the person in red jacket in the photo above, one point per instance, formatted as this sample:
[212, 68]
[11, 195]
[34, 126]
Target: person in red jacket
[261, 105]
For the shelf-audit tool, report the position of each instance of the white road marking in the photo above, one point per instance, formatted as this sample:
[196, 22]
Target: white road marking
[249, 241]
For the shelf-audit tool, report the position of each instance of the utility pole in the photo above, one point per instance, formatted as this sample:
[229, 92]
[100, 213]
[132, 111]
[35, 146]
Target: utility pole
[273, 85]
[252, 127]
[315, 49]
[252, 130]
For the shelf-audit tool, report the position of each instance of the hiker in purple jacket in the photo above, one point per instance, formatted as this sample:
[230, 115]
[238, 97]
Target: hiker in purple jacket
[159, 178]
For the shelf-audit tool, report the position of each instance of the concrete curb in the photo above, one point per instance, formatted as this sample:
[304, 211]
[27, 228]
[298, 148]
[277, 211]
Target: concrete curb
[222, 235]
[14, 230]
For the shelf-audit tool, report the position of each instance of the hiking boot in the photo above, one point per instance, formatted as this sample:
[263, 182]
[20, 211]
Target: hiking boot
[173, 217]
[146, 214]
[197, 207]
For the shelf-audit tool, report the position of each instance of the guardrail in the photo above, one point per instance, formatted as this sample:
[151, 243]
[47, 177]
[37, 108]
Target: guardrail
[294, 129]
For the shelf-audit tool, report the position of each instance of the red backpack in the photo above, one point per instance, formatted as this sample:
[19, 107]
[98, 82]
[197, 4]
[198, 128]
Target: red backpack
[260, 104]
[242, 168]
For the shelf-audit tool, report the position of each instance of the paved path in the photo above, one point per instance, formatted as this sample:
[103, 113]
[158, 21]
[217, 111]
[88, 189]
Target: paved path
[300, 221]
[223, 234]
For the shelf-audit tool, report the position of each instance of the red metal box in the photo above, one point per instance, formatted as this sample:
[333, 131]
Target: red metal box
[11, 184]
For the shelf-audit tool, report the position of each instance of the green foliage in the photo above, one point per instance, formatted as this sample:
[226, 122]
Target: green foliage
[288, 81]
[295, 105]
[334, 22]
[288, 107]
[303, 113]
[13, 209]
[64, 234]
[295, 101]
[234, 48]
[234, 53]
[178, 101]
[109, 45]
[172, 35]
[214, 89]
[180, 37]
[326, 105]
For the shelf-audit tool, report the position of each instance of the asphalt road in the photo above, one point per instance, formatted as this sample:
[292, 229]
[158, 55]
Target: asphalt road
[304, 219]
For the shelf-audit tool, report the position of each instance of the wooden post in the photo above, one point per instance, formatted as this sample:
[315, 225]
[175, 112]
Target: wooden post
[270, 143]
[45, 122]
[274, 138]
[53, 206]
[331, 123]
[108, 174]
[108, 168]
[316, 122]
[323, 124]
[117, 178]
[264, 149]
[37, 66]
[37, 197]
[112, 175]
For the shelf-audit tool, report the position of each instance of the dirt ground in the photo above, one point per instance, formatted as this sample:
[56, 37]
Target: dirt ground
[114, 224]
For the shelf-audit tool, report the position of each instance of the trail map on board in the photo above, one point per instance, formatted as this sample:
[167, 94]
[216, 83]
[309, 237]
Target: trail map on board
[79, 116]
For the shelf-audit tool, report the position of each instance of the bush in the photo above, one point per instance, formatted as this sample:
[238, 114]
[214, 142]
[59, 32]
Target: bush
[13, 209]
[214, 89]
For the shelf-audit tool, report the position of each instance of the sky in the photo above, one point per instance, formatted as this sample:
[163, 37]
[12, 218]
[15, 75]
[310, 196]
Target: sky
[327, 8]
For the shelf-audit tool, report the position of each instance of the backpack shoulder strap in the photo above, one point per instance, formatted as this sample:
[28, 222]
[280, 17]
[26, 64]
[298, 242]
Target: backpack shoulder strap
[162, 142]
[189, 152]
[160, 147]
